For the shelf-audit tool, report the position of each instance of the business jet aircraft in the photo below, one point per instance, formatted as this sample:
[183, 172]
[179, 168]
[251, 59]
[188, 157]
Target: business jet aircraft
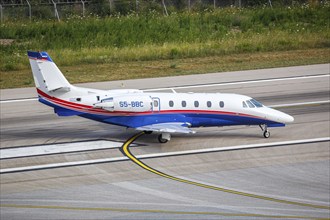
[164, 113]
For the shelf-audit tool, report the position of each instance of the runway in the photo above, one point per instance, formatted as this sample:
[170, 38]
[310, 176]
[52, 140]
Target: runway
[295, 171]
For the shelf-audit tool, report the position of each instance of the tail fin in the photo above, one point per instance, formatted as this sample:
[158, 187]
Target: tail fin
[47, 76]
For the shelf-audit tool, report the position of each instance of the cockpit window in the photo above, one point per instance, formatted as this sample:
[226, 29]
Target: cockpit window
[244, 105]
[256, 103]
[250, 104]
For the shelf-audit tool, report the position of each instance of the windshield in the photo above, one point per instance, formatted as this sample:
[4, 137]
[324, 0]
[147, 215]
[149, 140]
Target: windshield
[256, 103]
[250, 104]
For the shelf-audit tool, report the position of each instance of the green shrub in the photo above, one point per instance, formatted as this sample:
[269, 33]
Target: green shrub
[151, 36]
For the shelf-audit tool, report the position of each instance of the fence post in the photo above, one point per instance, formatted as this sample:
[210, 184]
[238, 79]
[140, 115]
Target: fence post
[56, 12]
[1, 13]
[270, 3]
[30, 10]
[83, 4]
[163, 1]
[137, 6]
[110, 6]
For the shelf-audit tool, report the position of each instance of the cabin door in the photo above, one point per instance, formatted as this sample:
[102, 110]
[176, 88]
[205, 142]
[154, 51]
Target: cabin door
[155, 104]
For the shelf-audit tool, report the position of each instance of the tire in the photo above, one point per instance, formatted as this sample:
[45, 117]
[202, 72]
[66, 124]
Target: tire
[161, 139]
[266, 134]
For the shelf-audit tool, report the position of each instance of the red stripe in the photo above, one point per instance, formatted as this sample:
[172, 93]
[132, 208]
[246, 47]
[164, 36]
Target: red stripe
[61, 100]
[92, 110]
[83, 108]
[35, 58]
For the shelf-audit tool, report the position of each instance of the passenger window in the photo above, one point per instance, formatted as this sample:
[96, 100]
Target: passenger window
[209, 104]
[196, 104]
[221, 104]
[184, 103]
[250, 104]
[156, 103]
[171, 103]
[244, 105]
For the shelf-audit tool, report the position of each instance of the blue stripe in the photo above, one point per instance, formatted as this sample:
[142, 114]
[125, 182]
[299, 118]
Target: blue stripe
[39, 55]
[205, 120]
[196, 120]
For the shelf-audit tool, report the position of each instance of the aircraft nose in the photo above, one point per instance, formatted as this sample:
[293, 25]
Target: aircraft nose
[287, 118]
[279, 116]
[283, 117]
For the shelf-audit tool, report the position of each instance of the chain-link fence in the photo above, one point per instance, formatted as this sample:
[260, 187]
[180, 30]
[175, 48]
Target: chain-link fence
[61, 9]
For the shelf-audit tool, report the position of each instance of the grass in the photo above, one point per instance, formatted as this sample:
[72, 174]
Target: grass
[173, 67]
[121, 47]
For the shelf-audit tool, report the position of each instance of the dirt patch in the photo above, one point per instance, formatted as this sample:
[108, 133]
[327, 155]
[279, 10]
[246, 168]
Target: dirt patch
[6, 41]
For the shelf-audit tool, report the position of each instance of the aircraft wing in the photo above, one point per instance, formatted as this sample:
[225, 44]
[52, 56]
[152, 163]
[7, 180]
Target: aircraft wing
[171, 127]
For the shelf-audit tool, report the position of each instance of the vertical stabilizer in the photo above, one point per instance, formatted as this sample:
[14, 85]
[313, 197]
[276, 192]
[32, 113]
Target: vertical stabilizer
[47, 76]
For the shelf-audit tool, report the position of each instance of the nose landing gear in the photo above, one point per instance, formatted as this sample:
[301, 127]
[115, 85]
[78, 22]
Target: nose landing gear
[266, 133]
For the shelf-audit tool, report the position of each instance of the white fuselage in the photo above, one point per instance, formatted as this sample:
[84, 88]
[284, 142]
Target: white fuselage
[159, 112]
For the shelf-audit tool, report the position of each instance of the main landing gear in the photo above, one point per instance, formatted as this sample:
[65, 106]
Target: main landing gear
[266, 133]
[164, 138]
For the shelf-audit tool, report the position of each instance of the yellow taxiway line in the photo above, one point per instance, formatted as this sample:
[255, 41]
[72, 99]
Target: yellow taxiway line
[72, 208]
[125, 149]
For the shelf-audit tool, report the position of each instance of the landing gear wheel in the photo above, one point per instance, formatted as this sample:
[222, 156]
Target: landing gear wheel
[161, 139]
[147, 132]
[265, 130]
[266, 134]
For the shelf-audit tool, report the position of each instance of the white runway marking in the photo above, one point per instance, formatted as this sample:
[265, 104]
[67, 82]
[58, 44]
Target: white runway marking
[240, 82]
[162, 204]
[201, 86]
[300, 104]
[57, 148]
[176, 153]
[18, 100]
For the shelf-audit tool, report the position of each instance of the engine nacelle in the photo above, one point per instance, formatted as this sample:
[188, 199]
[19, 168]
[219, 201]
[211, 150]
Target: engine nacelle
[126, 103]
